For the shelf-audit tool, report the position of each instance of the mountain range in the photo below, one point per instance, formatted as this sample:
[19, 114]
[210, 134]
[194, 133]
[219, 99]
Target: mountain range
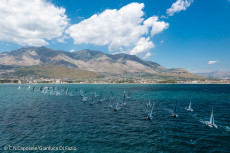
[216, 74]
[95, 63]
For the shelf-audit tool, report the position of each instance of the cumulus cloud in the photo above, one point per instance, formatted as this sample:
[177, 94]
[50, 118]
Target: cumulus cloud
[122, 30]
[178, 6]
[157, 26]
[142, 46]
[27, 22]
[212, 62]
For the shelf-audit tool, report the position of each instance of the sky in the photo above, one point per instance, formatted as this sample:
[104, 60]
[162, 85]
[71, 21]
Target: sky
[190, 34]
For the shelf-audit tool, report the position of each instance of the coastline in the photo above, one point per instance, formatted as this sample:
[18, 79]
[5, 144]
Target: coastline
[123, 83]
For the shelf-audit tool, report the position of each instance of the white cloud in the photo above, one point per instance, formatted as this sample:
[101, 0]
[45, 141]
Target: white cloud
[31, 22]
[161, 41]
[212, 62]
[147, 55]
[142, 46]
[157, 26]
[123, 29]
[62, 39]
[72, 50]
[178, 6]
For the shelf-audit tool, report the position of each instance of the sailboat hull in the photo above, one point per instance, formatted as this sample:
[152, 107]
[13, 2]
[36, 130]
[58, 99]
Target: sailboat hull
[174, 115]
[190, 110]
[149, 118]
[212, 125]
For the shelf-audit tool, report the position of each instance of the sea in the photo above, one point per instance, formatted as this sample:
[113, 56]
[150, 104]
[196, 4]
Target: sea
[112, 118]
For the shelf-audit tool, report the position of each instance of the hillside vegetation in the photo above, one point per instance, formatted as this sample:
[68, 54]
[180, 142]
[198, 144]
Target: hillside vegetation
[56, 72]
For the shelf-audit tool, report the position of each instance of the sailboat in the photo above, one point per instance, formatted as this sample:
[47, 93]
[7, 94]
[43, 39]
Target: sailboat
[110, 103]
[124, 96]
[81, 93]
[40, 89]
[111, 95]
[117, 108]
[100, 98]
[84, 98]
[91, 102]
[95, 94]
[67, 91]
[123, 103]
[211, 122]
[148, 105]
[150, 115]
[189, 107]
[174, 113]
[128, 95]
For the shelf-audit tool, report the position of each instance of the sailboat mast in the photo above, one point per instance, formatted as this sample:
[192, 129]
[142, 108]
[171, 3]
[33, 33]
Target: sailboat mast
[152, 110]
[212, 118]
[124, 96]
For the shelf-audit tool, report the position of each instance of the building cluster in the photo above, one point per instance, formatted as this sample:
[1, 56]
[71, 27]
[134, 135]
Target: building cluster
[110, 80]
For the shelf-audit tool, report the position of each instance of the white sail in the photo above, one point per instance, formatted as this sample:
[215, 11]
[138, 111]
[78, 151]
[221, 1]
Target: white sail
[211, 118]
[148, 104]
[117, 107]
[151, 113]
[211, 122]
[189, 107]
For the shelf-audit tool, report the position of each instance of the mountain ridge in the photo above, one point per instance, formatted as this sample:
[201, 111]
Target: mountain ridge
[90, 60]
[30, 56]
[216, 74]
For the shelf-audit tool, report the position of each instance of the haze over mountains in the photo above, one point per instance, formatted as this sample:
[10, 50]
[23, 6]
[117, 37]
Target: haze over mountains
[89, 61]
[216, 74]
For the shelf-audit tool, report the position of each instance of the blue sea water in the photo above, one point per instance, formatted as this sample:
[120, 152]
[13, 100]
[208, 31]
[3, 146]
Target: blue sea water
[59, 118]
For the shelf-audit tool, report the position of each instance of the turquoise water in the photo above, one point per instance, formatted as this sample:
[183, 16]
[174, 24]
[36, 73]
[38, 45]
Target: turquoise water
[59, 118]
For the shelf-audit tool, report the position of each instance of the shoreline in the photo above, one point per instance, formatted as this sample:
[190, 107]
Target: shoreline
[121, 83]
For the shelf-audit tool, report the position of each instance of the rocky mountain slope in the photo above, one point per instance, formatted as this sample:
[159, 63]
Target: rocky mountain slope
[89, 60]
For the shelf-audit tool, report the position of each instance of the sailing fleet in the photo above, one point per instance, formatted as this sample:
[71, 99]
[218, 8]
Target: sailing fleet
[84, 96]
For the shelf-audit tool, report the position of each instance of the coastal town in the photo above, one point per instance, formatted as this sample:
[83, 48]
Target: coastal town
[109, 81]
